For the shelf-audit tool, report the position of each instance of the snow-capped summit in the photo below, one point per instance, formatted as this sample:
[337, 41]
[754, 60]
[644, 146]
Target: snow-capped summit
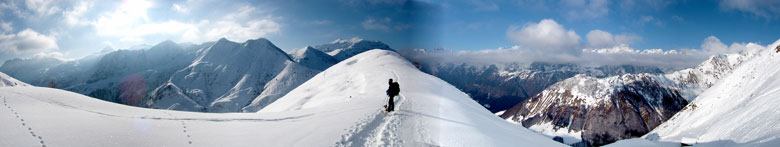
[343, 49]
[260, 43]
[8, 81]
[314, 58]
[224, 78]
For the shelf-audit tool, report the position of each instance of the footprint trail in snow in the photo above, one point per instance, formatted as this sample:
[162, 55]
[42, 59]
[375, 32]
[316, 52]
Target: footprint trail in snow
[378, 129]
[38, 137]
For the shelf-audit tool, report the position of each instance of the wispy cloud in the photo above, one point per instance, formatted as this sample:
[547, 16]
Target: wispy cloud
[621, 54]
[6, 26]
[482, 5]
[767, 9]
[385, 24]
[585, 9]
[75, 15]
[43, 7]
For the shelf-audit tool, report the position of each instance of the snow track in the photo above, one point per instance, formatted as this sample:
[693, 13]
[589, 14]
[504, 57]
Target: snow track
[184, 127]
[21, 120]
[379, 129]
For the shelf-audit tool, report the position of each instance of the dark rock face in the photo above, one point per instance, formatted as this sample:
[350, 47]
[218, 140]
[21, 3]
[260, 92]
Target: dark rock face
[499, 87]
[558, 139]
[628, 106]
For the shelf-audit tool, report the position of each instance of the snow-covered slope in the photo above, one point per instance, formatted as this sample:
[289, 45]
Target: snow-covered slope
[740, 110]
[430, 113]
[291, 76]
[8, 81]
[693, 81]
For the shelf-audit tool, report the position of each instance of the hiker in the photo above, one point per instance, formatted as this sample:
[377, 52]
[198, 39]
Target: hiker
[52, 84]
[392, 91]
[777, 49]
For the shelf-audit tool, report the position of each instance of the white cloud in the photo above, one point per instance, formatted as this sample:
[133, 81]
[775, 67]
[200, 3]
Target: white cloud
[241, 13]
[768, 9]
[131, 24]
[26, 41]
[42, 7]
[180, 8]
[231, 30]
[6, 26]
[712, 45]
[547, 36]
[603, 39]
[74, 15]
[124, 20]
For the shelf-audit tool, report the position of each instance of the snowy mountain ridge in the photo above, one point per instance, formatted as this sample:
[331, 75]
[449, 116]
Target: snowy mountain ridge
[343, 49]
[217, 83]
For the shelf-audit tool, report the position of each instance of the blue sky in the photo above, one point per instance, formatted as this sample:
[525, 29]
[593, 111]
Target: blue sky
[76, 28]
[652, 24]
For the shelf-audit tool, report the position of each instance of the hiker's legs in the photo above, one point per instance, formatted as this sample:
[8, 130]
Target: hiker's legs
[390, 104]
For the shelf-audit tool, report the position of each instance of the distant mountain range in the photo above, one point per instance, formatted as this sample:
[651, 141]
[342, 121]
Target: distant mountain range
[498, 87]
[603, 110]
[220, 76]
